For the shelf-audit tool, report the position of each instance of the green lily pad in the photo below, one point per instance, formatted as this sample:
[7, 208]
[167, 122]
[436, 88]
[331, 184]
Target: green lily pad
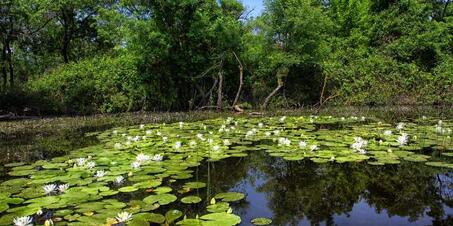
[261, 221]
[128, 189]
[172, 215]
[162, 199]
[230, 196]
[220, 219]
[195, 185]
[191, 199]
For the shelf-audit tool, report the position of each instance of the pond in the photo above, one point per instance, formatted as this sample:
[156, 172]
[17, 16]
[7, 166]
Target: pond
[295, 170]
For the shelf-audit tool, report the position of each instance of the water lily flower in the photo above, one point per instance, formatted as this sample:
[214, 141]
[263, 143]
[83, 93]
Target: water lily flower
[148, 132]
[124, 216]
[159, 133]
[226, 142]
[200, 136]
[115, 132]
[267, 134]
[165, 139]
[100, 173]
[117, 146]
[91, 165]
[128, 143]
[359, 145]
[39, 212]
[119, 179]
[136, 138]
[135, 165]
[439, 129]
[400, 126]
[403, 139]
[440, 122]
[363, 118]
[313, 147]
[48, 222]
[216, 148]
[192, 143]
[284, 141]
[210, 140]
[49, 188]
[181, 124]
[389, 150]
[424, 117]
[158, 157]
[178, 145]
[63, 187]
[23, 221]
[249, 133]
[142, 126]
[276, 132]
[282, 119]
[80, 161]
[302, 144]
[260, 125]
[342, 119]
[142, 158]
[387, 132]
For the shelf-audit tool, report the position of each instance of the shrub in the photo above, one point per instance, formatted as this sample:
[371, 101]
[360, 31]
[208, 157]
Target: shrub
[99, 84]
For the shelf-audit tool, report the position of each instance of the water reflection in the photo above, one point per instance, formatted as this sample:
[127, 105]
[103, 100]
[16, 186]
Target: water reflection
[304, 193]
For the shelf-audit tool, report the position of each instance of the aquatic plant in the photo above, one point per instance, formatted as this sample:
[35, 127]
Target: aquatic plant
[23, 221]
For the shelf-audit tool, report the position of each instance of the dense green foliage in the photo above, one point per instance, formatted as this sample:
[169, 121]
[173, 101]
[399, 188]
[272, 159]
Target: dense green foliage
[88, 56]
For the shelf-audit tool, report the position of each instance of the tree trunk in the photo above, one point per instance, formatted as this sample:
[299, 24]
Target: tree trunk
[67, 15]
[219, 92]
[10, 63]
[445, 9]
[4, 62]
[268, 98]
[241, 75]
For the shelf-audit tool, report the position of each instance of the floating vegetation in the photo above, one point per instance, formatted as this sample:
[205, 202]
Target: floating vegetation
[138, 170]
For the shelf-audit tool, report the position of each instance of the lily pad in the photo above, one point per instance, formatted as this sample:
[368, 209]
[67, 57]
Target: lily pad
[191, 199]
[261, 221]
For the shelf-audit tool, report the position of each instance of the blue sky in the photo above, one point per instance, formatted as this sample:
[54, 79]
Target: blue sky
[256, 5]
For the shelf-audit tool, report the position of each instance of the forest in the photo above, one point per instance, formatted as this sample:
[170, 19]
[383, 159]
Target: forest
[108, 56]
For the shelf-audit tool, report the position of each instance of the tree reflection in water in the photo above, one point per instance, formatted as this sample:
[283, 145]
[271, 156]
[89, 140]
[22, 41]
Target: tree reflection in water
[303, 192]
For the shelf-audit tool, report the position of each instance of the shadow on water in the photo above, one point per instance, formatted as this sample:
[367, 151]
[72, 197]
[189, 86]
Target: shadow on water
[306, 193]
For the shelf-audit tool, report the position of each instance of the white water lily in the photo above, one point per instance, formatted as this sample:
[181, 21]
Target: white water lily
[260, 125]
[148, 132]
[119, 179]
[200, 136]
[267, 134]
[359, 145]
[117, 146]
[343, 118]
[159, 133]
[403, 139]
[302, 144]
[192, 143]
[439, 129]
[313, 147]
[178, 145]
[141, 158]
[226, 142]
[39, 212]
[165, 139]
[100, 173]
[400, 126]
[135, 165]
[276, 132]
[387, 132]
[158, 157]
[49, 188]
[282, 119]
[440, 122]
[249, 133]
[123, 216]
[63, 187]
[81, 161]
[142, 126]
[181, 124]
[210, 141]
[216, 148]
[23, 221]
[136, 138]
[424, 117]
[284, 141]
[91, 165]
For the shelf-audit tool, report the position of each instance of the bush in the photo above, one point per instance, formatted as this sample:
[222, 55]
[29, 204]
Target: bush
[100, 84]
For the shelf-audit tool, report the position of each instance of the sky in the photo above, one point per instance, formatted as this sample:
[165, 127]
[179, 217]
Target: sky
[256, 5]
